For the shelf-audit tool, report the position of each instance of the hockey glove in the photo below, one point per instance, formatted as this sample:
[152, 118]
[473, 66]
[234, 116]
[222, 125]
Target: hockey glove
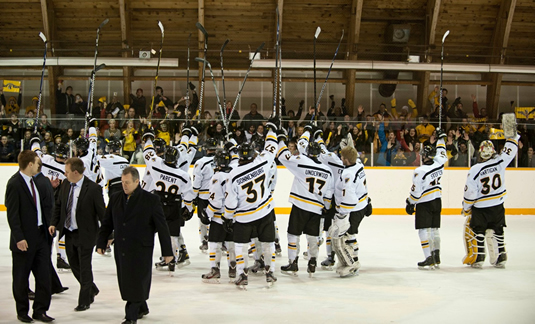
[272, 124]
[186, 131]
[369, 208]
[228, 225]
[441, 133]
[91, 121]
[186, 214]
[282, 135]
[35, 139]
[197, 129]
[309, 127]
[148, 134]
[204, 218]
[318, 133]
[230, 146]
[409, 208]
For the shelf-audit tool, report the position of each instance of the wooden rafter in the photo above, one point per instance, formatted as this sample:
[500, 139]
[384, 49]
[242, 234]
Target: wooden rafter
[354, 36]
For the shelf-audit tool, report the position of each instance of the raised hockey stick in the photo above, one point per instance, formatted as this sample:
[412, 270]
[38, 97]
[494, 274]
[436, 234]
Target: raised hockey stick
[224, 117]
[90, 94]
[318, 31]
[206, 63]
[43, 37]
[280, 80]
[329, 72]
[186, 110]
[203, 31]
[275, 75]
[92, 82]
[157, 69]
[244, 80]
[441, 73]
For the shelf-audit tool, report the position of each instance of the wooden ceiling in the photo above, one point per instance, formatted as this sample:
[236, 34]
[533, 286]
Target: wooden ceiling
[482, 31]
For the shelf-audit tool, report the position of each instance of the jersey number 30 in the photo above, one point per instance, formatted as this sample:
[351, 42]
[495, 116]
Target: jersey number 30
[496, 183]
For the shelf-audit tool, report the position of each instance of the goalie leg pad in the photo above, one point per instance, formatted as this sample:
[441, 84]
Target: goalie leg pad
[496, 247]
[480, 258]
[470, 243]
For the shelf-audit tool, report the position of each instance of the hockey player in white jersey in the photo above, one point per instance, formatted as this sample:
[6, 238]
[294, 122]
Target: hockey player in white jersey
[426, 198]
[54, 169]
[484, 195]
[202, 177]
[250, 204]
[86, 150]
[311, 192]
[159, 149]
[174, 188]
[213, 215]
[113, 165]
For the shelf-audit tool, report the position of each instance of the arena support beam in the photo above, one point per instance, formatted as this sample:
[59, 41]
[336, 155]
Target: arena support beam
[353, 39]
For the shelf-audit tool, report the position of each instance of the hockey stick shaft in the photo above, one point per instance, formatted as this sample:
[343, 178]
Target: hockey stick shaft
[330, 68]
[275, 74]
[318, 31]
[186, 110]
[224, 117]
[43, 37]
[92, 82]
[157, 69]
[441, 76]
[205, 33]
[206, 63]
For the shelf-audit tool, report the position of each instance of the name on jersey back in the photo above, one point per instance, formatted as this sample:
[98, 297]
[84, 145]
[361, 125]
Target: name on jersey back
[250, 176]
[315, 173]
[167, 178]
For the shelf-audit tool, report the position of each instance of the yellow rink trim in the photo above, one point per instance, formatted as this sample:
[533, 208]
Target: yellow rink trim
[401, 211]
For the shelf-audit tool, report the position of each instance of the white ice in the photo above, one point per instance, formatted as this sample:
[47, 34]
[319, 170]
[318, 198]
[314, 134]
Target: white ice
[389, 288]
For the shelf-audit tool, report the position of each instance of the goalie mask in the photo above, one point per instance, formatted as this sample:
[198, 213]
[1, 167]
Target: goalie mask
[486, 150]
[171, 155]
[313, 149]
[159, 145]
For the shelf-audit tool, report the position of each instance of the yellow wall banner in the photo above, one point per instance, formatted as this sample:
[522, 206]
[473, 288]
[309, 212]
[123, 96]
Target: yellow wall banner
[496, 134]
[525, 112]
[11, 86]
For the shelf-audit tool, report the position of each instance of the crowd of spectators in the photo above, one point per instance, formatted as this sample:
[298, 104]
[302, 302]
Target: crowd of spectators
[389, 136]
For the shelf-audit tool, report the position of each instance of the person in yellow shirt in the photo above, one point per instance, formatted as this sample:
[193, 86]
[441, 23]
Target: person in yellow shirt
[424, 130]
[129, 146]
[163, 133]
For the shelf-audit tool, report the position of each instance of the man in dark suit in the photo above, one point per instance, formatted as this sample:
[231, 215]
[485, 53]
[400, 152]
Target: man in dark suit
[79, 207]
[135, 215]
[29, 240]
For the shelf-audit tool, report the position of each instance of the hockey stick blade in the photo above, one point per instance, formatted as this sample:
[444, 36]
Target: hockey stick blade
[103, 23]
[225, 44]
[318, 31]
[200, 59]
[201, 28]
[161, 26]
[100, 67]
[43, 37]
[445, 35]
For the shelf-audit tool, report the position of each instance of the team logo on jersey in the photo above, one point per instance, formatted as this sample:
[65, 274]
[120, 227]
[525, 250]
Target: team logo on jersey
[214, 181]
[346, 180]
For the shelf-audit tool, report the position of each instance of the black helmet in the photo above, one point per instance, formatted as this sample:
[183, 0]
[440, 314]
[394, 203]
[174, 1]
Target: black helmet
[171, 155]
[259, 143]
[159, 145]
[82, 144]
[114, 146]
[62, 151]
[429, 151]
[313, 149]
[246, 151]
[210, 144]
[222, 159]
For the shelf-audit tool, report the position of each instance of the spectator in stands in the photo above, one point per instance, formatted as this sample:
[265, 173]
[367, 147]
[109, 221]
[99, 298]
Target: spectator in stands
[33, 106]
[235, 118]
[29, 122]
[424, 130]
[129, 145]
[382, 111]
[112, 131]
[239, 135]
[44, 125]
[409, 138]
[26, 145]
[389, 146]
[360, 118]
[164, 133]
[47, 141]
[360, 138]
[69, 135]
[456, 112]
[252, 118]
[249, 133]
[291, 129]
[400, 159]
[14, 130]
[7, 150]
[414, 156]
[527, 160]
[139, 103]
[13, 105]
[335, 113]
[310, 115]
[64, 100]
[465, 152]
[116, 109]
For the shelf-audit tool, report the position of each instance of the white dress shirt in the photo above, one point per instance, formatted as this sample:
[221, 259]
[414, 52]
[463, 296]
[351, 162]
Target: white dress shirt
[37, 198]
[76, 194]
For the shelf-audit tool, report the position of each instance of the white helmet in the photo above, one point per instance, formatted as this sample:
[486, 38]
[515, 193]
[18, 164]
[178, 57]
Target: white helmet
[486, 150]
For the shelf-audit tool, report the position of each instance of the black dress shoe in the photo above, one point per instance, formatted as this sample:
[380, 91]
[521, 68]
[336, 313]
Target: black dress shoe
[128, 322]
[43, 318]
[142, 313]
[25, 318]
[81, 308]
[60, 290]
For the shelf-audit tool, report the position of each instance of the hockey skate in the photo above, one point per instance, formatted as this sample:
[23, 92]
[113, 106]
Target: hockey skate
[436, 255]
[242, 281]
[278, 249]
[347, 271]
[232, 270]
[502, 259]
[270, 278]
[478, 264]
[183, 258]
[204, 246]
[427, 264]
[62, 265]
[311, 269]
[161, 265]
[258, 267]
[328, 263]
[171, 267]
[212, 277]
[291, 268]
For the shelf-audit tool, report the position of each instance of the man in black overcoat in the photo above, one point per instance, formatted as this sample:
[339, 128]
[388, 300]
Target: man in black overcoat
[135, 215]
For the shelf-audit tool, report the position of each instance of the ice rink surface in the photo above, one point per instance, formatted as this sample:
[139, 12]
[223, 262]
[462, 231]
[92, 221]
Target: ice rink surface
[389, 288]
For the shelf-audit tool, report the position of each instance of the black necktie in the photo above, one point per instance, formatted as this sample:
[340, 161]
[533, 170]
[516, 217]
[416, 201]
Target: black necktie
[33, 193]
[68, 219]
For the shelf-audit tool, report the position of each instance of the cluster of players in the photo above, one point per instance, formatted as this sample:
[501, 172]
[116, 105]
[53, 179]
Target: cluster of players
[232, 190]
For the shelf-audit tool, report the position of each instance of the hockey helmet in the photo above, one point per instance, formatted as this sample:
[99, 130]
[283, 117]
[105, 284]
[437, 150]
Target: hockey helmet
[486, 150]
[313, 149]
[222, 159]
[171, 155]
[246, 151]
[210, 144]
[159, 145]
[114, 146]
[82, 144]
[259, 143]
[429, 151]
[62, 151]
